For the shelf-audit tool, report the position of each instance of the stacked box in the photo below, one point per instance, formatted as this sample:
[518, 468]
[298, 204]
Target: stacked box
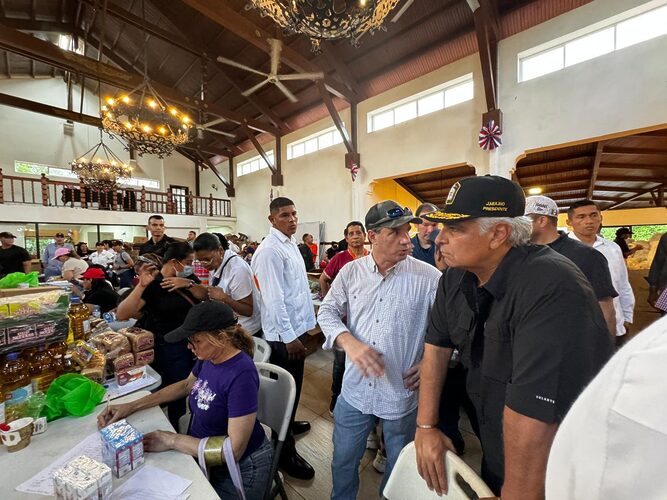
[83, 479]
[122, 447]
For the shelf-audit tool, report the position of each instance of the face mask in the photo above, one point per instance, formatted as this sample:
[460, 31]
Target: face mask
[187, 271]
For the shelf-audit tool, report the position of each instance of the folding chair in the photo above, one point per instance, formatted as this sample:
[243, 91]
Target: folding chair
[277, 392]
[262, 350]
[405, 481]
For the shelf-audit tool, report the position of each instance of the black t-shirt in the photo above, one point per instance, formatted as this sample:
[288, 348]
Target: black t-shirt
[592, 263]
[103, 296]
[624, 246]
[12, 259]
[307, 256]
[542, 340]
[164, 311]
[158, 248]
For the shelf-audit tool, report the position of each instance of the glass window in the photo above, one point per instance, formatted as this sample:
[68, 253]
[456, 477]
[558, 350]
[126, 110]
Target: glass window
[325, 140]
[298, 150]
[383, 120]
[253, 164]
[311, 145]
[405, 112]
[589, 47]
[459, 93]
[431, 103]
[126, 234]
[542, 64]
[641, 28]
[25, 235]
[337, 137]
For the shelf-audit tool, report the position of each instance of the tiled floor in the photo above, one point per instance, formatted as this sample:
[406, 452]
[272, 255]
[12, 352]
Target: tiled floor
[317, 448]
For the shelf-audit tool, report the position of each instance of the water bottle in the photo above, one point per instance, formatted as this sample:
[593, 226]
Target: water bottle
[109, 317]
[97, 312]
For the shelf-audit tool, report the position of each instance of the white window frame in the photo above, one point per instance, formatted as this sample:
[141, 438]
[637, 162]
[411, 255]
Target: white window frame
[565, 40]
[441, 89]
[336, 138]
[254, 164]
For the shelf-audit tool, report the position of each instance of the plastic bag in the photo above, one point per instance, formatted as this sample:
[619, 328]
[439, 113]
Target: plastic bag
[12, 280]
[72, 394]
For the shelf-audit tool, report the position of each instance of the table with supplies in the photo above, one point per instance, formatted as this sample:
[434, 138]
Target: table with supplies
[63, 435]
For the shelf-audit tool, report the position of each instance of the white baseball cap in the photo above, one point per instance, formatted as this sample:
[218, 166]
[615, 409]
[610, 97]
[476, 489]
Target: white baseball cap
[541, 205]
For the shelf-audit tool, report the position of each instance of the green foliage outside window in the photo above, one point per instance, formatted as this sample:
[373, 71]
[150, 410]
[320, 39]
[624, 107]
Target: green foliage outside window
[643, 233]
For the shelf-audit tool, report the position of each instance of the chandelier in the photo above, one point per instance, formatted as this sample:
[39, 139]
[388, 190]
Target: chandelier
[146, 122]
[100, 168]
[327, 19]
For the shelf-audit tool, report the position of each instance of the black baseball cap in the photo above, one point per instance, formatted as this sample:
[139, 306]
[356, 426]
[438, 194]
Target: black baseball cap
[6, 234]
[482, 196]
[389, 214]
[204, 317]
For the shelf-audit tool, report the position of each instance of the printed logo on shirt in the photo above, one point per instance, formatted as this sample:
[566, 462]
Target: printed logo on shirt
[204, 395]
[545, 399]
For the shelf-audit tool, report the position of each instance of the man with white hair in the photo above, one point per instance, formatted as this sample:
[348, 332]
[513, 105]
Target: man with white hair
[528, 329]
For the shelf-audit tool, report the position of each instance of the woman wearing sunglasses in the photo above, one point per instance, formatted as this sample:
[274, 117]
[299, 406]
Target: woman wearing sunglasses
[222, 394]
[163, 300]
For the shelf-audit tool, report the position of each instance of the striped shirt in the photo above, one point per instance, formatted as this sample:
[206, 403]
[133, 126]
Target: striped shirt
[390, 314]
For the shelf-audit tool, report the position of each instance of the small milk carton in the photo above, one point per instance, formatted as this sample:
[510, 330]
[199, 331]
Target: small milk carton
[83, 479]
[122, 447]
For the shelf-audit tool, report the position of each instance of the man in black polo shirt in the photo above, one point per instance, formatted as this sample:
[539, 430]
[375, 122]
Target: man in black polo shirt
[158, 241]
[528, 328]
[543, 211]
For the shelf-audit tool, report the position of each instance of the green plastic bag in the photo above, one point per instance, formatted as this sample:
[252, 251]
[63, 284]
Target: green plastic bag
[12, 280]
[72, 394]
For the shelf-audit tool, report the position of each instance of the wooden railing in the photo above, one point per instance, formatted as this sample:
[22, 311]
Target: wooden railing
[50, 193]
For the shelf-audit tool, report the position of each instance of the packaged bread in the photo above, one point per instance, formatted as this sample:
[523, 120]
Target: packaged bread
[140, 339]
[96, 374]
[142, 358]
[112, 344]
[123, 362]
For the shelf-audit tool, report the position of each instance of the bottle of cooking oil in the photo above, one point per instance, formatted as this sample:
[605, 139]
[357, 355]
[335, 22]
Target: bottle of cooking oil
[79, 324]
[15, 385]
[42, 372]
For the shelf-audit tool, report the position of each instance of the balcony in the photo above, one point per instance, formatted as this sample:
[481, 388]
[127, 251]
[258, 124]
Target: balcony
[49, 193]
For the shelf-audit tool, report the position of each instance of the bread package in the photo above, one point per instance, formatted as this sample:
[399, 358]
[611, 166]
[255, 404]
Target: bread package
[142, 358]
[140, 339]
[123, 362]
[96, 374]
[112, 344]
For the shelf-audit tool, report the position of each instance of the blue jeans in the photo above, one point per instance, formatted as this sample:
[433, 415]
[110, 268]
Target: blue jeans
[255, 470]
[349, 438]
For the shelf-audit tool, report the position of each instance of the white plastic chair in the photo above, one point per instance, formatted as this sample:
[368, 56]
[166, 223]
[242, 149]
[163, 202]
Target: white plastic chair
[262, 350]
[277, 392]
[405, 481]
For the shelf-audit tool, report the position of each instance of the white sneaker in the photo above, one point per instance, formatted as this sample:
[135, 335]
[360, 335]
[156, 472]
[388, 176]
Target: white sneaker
[372, 441]
[379, 462]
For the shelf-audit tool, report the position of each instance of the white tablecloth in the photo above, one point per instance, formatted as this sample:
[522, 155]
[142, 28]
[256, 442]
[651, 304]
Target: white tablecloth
[64, 434]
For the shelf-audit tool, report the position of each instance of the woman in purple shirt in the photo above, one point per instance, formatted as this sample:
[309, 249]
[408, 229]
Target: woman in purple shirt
[222, 391]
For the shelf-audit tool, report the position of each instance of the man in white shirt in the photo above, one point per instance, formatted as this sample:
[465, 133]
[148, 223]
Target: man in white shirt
[287, 313]
[584, 218]
[231, 280]
[611, 445]
[386, 297]
[101, 256]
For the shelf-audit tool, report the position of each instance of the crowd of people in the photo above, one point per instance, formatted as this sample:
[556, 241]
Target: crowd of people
[488, 308]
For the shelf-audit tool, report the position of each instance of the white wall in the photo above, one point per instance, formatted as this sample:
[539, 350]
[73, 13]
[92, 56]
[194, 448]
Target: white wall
[38, 138]
[619, 91]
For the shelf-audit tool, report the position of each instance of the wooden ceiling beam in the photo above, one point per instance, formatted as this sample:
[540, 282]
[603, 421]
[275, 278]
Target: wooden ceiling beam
[530, 162]
[417, 194]
[487, 45]
[333, 112]
[46, 52]
[37, 26]
[618, 189]
[548, 183]
[45, 109]
[558, 168]
[332, 55]
[636, 196]
[8, 68]
[635, 151]
[599, 150]
[620, 178]
[260, 149]
[632, 166]
[212, 150]
[244, 28]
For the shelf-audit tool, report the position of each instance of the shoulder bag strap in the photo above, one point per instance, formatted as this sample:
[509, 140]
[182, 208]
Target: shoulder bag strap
[233, 466]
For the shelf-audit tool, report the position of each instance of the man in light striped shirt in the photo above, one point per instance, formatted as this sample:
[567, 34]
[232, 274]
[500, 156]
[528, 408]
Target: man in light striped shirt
[386, 297]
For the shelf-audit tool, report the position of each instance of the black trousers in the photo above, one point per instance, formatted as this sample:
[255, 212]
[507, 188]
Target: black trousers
[174, 362]
[279, 357]
[454, 397]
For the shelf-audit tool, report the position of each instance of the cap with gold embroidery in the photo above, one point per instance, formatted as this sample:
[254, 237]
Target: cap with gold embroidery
[482, 196]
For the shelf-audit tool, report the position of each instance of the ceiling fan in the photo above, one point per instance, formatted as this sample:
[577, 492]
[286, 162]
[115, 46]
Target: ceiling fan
[208, 127]
[272, 76]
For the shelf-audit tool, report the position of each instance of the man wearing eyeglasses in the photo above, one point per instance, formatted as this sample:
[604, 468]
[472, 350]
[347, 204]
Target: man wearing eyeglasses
[386, 297]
